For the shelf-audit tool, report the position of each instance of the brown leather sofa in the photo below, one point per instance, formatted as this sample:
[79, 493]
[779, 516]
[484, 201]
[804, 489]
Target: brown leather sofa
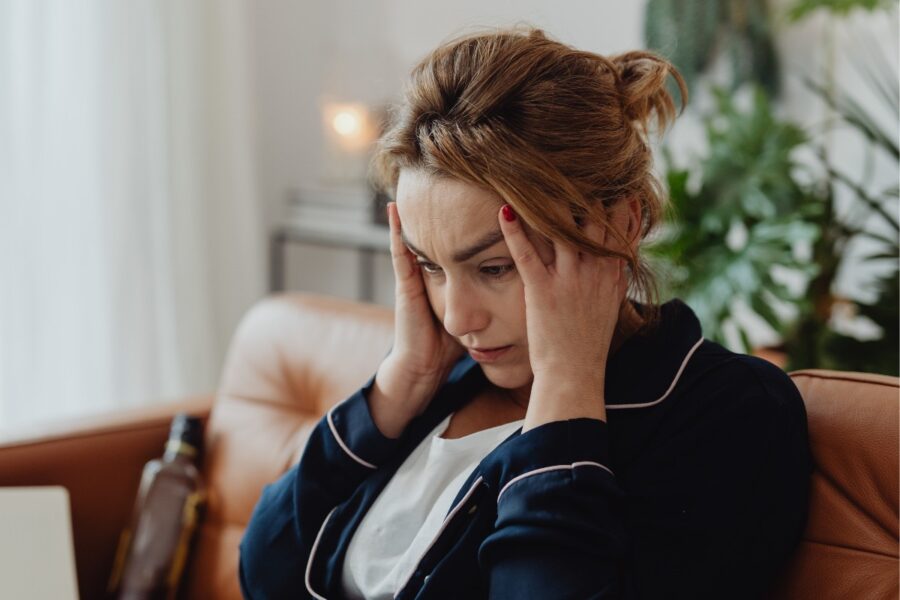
[295, 355]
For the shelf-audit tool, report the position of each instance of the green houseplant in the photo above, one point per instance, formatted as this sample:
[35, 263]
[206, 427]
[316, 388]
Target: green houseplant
[747, 212]
[694, 33]
[874, 217]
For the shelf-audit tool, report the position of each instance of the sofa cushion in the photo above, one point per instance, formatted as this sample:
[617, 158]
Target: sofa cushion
[849, 549]
[291, 359]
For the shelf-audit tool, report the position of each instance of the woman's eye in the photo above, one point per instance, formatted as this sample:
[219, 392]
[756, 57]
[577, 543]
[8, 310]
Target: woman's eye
[428, 267]
[493, 271]
[497, 271]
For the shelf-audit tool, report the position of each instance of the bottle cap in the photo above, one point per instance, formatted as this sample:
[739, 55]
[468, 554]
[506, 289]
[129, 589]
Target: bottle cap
[187, 429]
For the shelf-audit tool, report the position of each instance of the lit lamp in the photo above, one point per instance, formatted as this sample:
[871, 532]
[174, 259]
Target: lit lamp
[349, 133]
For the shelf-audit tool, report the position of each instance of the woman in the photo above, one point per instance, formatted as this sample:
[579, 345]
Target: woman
[533, 432]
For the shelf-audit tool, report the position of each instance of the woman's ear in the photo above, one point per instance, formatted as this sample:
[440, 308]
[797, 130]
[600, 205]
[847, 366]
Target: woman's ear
[626, 218]
[633, 232]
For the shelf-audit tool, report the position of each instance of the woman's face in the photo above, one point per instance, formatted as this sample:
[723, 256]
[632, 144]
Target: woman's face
[472, 284]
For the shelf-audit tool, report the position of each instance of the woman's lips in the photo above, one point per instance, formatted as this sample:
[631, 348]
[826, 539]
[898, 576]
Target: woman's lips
[488, 354]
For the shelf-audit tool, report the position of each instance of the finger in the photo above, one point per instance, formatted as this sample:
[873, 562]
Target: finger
[530, 266]
[567, 256]
[596, 233]
[403, 261]
[543, 246]
[611, 266]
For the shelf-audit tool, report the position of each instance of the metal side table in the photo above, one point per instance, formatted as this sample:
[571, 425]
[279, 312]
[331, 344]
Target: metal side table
[366, 238]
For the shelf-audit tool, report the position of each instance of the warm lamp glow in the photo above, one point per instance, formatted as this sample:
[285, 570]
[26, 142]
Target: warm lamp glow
[347, 123]
[349, 130]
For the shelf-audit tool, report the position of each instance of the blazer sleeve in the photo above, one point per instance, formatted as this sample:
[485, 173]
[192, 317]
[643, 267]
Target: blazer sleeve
[342, 450]
[561, 530]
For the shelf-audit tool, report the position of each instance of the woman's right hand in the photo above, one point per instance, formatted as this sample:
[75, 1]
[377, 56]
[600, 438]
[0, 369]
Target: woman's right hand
[423, 353]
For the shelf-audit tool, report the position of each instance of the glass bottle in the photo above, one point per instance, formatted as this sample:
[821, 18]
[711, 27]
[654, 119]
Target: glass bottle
[154, 548]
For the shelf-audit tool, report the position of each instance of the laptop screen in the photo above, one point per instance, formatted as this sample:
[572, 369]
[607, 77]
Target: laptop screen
[37, 558]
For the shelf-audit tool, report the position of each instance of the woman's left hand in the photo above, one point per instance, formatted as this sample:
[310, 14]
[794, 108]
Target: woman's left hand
[571, 310]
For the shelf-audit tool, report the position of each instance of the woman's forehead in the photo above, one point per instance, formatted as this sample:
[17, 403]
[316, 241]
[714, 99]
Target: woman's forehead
[431, 192]
[442, 216]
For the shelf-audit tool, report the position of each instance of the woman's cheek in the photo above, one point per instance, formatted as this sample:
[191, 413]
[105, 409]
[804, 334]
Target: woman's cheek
[435, 298]
[514, 298]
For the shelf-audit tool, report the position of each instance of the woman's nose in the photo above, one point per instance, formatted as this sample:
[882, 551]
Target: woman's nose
[464, 313]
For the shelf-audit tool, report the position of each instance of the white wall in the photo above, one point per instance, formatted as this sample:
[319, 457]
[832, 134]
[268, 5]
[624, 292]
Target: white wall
[363, 50]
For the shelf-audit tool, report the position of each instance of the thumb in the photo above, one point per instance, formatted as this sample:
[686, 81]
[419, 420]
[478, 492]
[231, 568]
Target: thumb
[528, 263]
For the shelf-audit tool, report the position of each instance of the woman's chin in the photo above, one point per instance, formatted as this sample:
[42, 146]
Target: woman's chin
[508, 377]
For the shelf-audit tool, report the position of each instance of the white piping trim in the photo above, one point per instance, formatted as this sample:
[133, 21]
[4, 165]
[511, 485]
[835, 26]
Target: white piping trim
[344, 446]
[311, 554]
[668, 391]
[441, 530]
[552, 468]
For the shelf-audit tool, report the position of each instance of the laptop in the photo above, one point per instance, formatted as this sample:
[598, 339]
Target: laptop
[37, 558]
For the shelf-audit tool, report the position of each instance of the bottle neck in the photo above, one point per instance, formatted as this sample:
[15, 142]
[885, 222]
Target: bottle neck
[179, 451]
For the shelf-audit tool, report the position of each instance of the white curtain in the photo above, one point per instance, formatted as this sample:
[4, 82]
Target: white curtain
[130, 231]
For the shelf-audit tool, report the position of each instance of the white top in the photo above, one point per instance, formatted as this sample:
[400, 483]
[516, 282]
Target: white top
[402, 522]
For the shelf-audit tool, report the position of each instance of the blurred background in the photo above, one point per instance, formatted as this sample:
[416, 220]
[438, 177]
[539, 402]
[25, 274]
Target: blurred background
[165, 164]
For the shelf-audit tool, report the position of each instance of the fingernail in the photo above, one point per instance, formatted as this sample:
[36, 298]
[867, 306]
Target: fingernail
[508, 213]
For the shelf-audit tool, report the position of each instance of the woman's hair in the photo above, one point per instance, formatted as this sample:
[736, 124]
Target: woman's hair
[558, 133]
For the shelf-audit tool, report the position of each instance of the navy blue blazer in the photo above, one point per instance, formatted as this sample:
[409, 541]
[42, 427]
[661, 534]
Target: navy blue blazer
[695, 487]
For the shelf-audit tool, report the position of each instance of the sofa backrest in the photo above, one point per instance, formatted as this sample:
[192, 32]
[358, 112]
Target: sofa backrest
[850, 546]
[296, 355]
[293, 357]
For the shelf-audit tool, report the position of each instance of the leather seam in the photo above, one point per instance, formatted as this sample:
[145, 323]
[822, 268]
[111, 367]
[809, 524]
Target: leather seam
[840, 490]
[809, 375]
[852, 549]
[163, 424]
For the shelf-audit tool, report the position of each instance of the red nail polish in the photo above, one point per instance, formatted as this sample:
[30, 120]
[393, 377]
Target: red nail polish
[508, 213]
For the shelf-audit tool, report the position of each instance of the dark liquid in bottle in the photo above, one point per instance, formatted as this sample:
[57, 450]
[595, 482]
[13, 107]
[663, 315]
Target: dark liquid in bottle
[153, 550]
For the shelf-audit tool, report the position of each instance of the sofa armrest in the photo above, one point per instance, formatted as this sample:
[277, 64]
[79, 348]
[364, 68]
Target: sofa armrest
[99, 461]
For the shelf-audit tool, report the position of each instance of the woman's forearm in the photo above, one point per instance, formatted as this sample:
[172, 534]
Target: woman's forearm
[394, 400]
[561, 398]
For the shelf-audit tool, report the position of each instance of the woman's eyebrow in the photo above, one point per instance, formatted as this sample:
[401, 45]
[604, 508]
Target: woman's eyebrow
[488, 240]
